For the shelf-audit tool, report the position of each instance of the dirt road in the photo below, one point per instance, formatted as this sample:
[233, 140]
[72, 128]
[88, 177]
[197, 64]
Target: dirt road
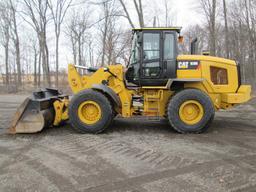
[133, 155]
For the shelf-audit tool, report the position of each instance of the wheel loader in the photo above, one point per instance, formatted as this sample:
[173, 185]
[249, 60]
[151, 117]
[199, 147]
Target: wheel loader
[157, 83]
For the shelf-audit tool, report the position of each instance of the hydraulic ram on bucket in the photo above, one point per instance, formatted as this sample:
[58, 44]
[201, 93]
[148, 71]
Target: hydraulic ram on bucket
[44, 108]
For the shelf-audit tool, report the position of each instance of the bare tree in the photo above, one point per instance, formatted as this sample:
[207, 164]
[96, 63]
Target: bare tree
[91, 58]
[5, 27]
[76, 30]
[16, 40]
[226, 28]
[58, 12]
[127, 15]
[73, 43]
[105, 30]
[37, 12]
[209, 8]
[110, 34]
[33, 45]
[250, 23]
[139, 10]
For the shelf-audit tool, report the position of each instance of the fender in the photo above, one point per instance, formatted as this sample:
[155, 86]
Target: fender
[106, 90]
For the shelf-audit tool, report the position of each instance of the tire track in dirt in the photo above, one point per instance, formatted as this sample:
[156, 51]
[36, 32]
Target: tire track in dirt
[154, 159]
[142, 179]
[21, 157]
[75, 144]
[31, 155]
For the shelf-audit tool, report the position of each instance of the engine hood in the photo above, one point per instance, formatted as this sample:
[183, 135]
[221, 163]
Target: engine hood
[205, 58]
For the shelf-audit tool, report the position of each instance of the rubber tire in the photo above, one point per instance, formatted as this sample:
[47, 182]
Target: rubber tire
[183, 96]
[106, 111]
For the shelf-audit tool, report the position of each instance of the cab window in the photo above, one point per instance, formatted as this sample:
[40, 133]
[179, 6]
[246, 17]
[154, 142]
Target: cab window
[169, 46]
[151, 55]
[151, 46]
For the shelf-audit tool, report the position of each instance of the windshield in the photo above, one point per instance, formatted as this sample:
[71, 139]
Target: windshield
[134, 58]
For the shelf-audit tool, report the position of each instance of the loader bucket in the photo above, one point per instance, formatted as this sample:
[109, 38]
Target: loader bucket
[36, 112]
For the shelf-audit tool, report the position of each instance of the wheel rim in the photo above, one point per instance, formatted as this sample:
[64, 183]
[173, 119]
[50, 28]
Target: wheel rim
[89, 112]
[191, 112]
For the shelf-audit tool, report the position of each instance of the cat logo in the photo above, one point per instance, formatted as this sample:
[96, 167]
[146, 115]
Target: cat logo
[188, 64]
[183, 64]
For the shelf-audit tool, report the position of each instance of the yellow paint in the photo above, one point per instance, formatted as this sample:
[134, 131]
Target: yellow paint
[155, 101]
[222, 96]
[116, 84]
[242, 95]
[218, 60]
[74, 79]
[156, 98]
[167, 86]
[89, 112]
[204, 72]
[61, 111]
[191, 112]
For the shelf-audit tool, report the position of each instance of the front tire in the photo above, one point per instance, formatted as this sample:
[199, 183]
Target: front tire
[90, 112]
[190, 111]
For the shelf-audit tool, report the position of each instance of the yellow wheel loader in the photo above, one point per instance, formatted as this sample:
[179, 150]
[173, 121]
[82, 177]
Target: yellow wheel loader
[185, 89]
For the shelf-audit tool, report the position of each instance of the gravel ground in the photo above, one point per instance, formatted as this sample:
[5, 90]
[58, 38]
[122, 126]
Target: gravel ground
[135, 155]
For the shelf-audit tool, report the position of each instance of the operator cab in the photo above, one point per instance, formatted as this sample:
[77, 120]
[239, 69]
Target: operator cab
[153, 56]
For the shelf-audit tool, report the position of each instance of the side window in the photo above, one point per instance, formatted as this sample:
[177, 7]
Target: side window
[151, 55]
[135, 50]
[219, 76]
[169, 46]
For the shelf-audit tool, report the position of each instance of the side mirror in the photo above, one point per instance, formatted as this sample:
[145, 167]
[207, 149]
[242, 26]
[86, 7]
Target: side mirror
[180, 39]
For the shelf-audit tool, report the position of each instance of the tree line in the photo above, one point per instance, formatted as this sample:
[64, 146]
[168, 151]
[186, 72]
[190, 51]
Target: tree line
[98, 33]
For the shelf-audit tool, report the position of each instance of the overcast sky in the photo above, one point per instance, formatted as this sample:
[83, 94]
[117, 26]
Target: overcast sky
[187, 12]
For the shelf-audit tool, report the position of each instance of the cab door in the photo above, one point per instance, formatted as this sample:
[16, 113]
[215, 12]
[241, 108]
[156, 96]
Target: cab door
[158, 58]
[169, 55]
[151, 55]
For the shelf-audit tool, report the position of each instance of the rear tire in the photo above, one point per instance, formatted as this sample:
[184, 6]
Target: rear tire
[190, 111]
[90, 112]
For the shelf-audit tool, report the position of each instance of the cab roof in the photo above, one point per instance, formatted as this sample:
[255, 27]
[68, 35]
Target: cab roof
[177, 29]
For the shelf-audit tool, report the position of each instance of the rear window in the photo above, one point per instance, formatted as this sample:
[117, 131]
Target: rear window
[219, 76]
